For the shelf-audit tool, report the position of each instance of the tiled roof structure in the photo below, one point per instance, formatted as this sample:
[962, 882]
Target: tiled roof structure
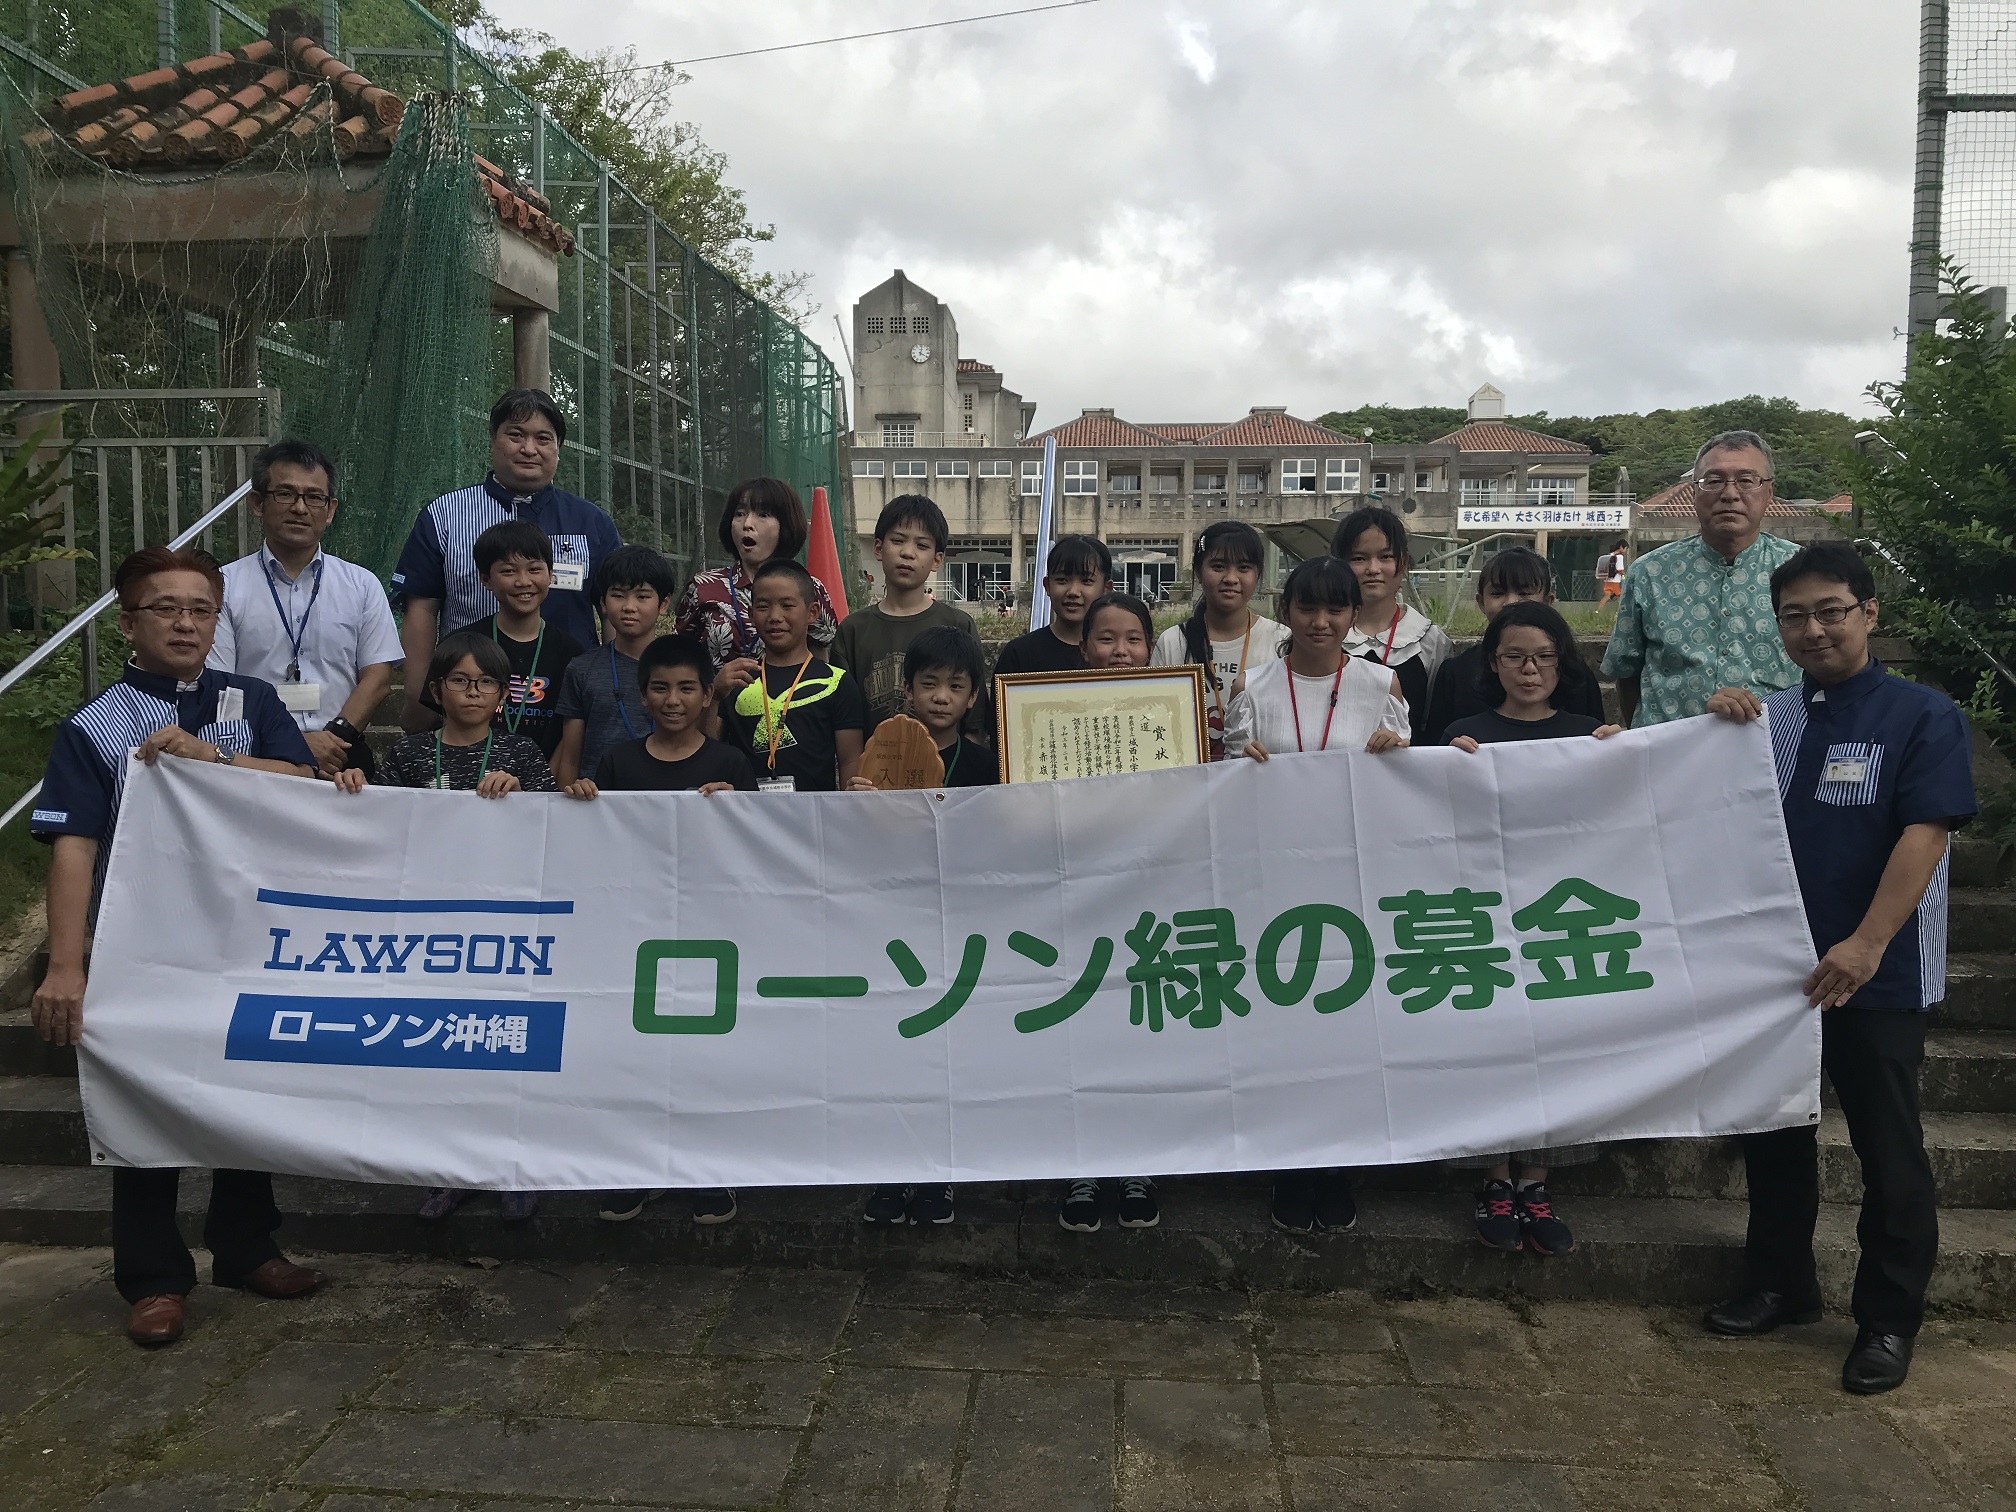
[1677, 502]
[1265, 428]
[974, 365]
[1497, 436]
[217, 108]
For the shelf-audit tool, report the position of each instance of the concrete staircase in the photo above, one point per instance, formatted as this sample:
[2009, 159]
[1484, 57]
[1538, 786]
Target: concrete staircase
[1658, 1221]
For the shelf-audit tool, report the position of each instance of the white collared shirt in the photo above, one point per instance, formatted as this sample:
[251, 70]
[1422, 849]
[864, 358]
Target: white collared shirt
[349, 628]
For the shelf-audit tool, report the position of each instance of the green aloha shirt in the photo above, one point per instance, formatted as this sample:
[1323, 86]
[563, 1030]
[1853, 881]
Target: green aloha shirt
[1691, 623]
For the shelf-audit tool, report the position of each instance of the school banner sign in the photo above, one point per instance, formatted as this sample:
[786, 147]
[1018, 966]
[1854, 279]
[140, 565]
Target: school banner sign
[1329, 960]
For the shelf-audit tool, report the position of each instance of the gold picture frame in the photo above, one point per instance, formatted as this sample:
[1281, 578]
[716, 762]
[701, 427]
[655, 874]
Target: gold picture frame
[1055, 725]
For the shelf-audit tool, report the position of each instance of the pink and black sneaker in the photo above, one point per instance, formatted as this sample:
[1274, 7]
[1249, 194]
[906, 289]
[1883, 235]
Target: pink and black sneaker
[1545, 1233]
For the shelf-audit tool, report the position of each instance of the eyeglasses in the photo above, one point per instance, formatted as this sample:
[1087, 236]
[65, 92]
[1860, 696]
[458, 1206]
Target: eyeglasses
[1747, 483]
[1544, 661]
[1828, 616]
[202, 614]
[287, 497]
[462, 684]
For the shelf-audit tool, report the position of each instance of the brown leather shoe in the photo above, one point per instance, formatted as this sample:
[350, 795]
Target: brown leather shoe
[155, 1321]
[281, 1277]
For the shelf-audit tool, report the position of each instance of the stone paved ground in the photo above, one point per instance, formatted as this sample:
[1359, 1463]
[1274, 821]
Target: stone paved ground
[442, 1386]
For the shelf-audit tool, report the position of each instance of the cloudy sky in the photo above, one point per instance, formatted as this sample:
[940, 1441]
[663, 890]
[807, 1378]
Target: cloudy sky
[1184, 208]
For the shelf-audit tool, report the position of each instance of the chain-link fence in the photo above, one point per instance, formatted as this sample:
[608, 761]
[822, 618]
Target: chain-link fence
[1964, 205]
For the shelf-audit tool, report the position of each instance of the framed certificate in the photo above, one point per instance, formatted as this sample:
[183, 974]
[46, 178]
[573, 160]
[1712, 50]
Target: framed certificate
[1052, 725]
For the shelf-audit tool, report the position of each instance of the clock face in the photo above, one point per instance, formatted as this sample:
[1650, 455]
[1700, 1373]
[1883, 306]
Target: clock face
[920, 353]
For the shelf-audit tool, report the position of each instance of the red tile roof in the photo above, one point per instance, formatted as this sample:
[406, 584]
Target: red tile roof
[1101, 429]
[1268, 428]
[974, 365]
[218, 107]
[1677, 502]
[1497, 436]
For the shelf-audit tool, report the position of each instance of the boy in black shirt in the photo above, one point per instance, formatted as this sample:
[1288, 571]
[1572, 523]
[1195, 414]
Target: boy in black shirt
[514, 558]
[802, 723]
[673, 675]
[942, 675]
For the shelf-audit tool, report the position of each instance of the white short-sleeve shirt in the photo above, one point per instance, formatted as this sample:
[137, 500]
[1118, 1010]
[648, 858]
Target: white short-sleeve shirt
[1266, 709]
[348, 628]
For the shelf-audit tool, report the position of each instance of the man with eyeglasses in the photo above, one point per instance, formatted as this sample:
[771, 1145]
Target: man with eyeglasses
[316, 627]
[1696, 614]
[167, 704]
[1874, 772]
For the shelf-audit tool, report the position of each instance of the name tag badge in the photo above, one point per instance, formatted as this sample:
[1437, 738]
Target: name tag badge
[231, 704]
[299, 697]
[1847, 771]
[777, 785]
[570, 575]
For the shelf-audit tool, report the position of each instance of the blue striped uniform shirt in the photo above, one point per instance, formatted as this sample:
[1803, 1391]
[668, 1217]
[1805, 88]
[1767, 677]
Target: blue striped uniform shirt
[1858, 764]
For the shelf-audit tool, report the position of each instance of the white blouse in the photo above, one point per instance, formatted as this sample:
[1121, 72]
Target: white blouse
[1265, 709]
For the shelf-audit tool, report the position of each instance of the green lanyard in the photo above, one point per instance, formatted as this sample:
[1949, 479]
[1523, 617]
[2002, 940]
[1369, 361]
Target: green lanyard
[510, 722]
[485, 772]
[958, 750]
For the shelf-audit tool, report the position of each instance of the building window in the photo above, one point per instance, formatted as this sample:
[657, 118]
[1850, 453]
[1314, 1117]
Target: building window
[899, 432]
[920, 325]
[1382, 482]
[871, 325]
[969, 425]
[948, 469]
[1210, 482]
[967, 399]
[1032, 478]
[1480, 487]
[867, 469]
[1165, 482]
[1122, 482]
[1551, 492]
[1298, 475]
[1081, 477]
[1340, 475]
[1252, 482]
[997, 469]
[1423, 482]
[909, 469]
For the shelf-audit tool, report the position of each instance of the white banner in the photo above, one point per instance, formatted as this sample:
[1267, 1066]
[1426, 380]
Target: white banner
[1329, 960]
[1543, 517]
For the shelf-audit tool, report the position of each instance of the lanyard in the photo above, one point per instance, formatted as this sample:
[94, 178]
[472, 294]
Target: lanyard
[294, 636]
[1217, 693]
[775, 718]
[481, 774]
[1295, 706]
[614, 688]
[958, 750]
[1399, 613]
[511, 721]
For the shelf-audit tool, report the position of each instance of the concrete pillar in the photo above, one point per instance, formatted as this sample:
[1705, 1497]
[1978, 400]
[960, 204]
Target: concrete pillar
[531, 349]
[1017, 551]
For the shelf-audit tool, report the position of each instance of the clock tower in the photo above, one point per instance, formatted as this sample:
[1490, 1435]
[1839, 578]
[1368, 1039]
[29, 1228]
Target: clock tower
[906, 365]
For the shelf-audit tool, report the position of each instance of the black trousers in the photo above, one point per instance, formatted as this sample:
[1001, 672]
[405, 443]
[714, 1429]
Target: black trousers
[148, 1255]
[1872, 1057]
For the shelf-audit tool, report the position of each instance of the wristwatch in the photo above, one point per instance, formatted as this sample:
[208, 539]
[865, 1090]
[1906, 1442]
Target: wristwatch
[224, 757]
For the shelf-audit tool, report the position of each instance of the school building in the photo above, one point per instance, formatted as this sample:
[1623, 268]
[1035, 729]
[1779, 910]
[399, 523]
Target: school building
[928, 419]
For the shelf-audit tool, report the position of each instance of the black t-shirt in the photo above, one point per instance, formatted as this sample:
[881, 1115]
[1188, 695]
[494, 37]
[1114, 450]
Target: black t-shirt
[1491, 727]
[629, 767]
[1039, 651]
[968, 763]
[425, 761]
[826, 702]
[1455, 696]
[532, 705]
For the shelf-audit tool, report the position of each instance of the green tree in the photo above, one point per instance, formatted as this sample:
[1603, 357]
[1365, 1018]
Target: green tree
[1938, 496]
[620, 110]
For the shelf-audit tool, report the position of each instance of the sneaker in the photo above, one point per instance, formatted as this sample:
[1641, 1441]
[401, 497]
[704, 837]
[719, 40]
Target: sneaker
[442, 1201]
[621, 1207]
[1497, 1215]
[1336, 1208]
[519, 1206]
[1138, 1208]
[931, 1204]
[1081, 1209]
[1545, 1233]
[887, 1204]
[1295, 1202]
[714, 1205]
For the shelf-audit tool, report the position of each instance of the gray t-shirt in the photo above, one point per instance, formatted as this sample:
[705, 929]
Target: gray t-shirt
[599, 688]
